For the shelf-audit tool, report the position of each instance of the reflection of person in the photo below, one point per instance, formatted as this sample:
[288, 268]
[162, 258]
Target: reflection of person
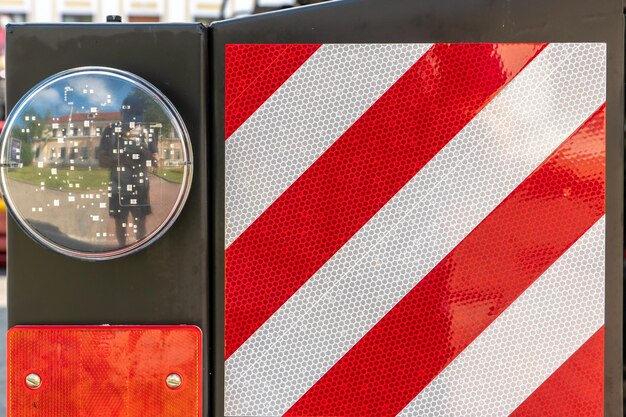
[129, 149]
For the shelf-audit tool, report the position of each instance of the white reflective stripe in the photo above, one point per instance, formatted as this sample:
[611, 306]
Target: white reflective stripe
[307, 114]
[457, 189]
[528, 342]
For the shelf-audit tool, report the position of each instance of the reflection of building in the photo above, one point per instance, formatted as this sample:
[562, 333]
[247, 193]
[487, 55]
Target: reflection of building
[76, 141]
[73, 142]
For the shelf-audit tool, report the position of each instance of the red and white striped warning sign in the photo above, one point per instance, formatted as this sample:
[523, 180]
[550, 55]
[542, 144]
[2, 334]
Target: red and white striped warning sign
[415, 229]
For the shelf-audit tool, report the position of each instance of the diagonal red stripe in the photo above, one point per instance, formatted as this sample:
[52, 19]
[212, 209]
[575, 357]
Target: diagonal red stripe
[576, 389]
[358, 175]
[469, 288]
[254, 73]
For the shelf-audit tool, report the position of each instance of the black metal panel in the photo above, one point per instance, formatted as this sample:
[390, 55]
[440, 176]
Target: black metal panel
[389, 21]
[168, 282]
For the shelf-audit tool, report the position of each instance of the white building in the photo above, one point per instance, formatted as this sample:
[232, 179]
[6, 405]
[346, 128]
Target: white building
[130, 10]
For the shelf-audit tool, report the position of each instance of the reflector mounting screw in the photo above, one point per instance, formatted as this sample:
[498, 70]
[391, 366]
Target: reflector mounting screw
[174, 381]
[33, 381]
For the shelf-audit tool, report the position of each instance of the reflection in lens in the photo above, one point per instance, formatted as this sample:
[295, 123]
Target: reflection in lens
[95, 163]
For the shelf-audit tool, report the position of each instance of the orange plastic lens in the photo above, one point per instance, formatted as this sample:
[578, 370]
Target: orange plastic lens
[104, 371]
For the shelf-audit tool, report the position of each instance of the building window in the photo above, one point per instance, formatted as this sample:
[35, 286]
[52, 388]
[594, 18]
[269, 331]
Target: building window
[13, 17]
[86, 131]
[84, 153]
[143, 19]
[77, 18]
[63, 153]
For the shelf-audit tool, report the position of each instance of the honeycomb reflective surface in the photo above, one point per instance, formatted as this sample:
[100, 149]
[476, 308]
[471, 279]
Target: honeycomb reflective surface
[413, 243]
[96, 163]
[112, 371]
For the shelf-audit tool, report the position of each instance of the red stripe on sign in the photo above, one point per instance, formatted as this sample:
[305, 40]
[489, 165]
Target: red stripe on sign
[358, 175]
[576, 389]
[254, 73]
[469, 288]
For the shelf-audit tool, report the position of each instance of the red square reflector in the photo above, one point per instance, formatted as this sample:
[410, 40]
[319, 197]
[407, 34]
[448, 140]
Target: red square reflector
[104, 371]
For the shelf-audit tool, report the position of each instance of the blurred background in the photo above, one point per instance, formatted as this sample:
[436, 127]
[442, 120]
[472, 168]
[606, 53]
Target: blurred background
[204, 11]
